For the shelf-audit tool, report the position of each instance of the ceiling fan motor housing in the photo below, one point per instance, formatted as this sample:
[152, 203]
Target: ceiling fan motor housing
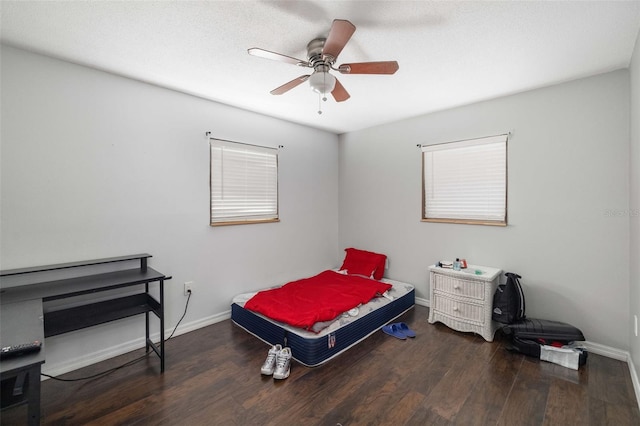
[321, 81]
[315, 56]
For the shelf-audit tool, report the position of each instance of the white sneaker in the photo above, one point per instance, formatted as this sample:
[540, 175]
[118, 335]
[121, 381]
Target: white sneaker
[283, 364]
[270, 363]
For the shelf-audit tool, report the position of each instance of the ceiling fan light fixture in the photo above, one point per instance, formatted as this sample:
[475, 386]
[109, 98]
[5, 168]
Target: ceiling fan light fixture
[322, 82]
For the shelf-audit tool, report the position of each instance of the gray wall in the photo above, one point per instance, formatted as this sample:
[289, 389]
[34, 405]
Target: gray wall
[95, 165]
[634, 204]
[568, 191]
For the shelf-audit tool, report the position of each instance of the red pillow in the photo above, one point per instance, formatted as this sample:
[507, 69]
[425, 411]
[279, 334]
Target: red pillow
[364, 262]
[361, 268]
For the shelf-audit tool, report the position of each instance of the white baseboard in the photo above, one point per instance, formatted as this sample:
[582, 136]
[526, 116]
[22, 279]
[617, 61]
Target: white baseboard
[422, 302]
[594, 348]
[194, 325]
[607, 351]
[91, 358]
[620, 355]
[132, 345]
[634, 379]
[123, 348]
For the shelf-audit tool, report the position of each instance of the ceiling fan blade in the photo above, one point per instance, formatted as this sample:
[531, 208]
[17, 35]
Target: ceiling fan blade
[339, 93]
[256, 51]
[385, 67]
[290, 85]
[340, 33]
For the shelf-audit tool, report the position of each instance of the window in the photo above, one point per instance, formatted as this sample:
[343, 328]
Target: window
[465, 181]
[244, 183]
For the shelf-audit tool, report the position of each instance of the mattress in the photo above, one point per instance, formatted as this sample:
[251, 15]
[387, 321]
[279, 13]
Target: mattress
[313, 349]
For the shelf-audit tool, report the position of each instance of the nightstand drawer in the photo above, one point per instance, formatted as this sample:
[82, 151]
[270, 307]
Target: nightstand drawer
[458, 309]
[454, 286]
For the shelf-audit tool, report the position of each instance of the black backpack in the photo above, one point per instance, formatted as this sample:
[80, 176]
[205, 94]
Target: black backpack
[508, 302]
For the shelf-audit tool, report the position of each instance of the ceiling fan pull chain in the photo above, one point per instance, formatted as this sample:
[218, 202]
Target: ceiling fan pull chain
[319, 105]
[324, 83]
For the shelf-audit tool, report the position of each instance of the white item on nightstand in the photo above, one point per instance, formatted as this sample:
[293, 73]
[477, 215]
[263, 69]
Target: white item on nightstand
[463, 300]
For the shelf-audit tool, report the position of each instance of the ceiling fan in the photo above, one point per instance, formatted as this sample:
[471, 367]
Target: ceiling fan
[321, 56]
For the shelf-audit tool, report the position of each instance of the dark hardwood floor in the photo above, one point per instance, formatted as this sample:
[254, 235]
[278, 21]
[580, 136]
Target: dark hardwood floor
[441, 377]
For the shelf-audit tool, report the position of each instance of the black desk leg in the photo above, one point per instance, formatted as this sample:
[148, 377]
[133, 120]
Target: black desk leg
[34, 395]
[161, 326]
[146, 317]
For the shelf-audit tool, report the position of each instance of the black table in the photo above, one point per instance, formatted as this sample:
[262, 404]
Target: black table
[30, 307]
[22, 322]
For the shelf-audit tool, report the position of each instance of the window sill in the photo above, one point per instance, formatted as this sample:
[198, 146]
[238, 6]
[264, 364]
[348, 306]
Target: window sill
[466, 221]
[244, 222]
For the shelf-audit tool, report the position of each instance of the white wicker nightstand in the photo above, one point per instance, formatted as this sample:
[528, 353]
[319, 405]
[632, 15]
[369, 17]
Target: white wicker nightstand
[463, 300]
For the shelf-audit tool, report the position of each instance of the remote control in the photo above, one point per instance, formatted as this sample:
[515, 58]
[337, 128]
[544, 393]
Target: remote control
[22, 349]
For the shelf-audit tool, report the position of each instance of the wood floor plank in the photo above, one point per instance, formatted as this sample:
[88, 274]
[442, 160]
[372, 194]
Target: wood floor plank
[567, 403]
[467, 364]
[487, 399]
[526, 403]
[610, 383]
[442, 377]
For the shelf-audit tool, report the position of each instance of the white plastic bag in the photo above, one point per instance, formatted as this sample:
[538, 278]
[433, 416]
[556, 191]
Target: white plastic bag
[567, 356]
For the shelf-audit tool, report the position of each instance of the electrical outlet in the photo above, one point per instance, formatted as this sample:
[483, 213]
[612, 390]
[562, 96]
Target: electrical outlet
[188, 288]
[635, 325]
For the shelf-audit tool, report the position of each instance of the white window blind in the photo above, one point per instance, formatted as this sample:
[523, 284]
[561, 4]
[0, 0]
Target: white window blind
[466, 181]
[244, 183]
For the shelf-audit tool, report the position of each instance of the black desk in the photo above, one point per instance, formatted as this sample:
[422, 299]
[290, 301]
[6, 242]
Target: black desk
[21, 322]
[31, 309]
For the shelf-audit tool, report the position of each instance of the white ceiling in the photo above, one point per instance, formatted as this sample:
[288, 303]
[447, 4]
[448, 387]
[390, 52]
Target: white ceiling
[450, 53]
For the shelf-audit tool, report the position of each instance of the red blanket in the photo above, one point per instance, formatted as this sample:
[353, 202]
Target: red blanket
[323, 297]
